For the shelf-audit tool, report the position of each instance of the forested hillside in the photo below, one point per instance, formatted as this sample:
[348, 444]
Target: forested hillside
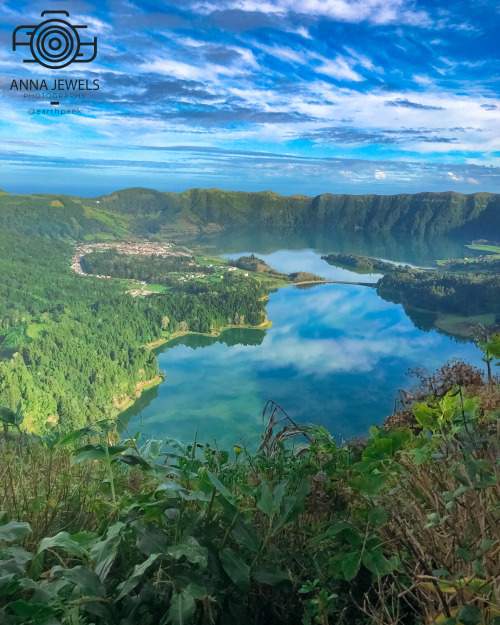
[145, 212]
[430, 213]
[464, 294]
[72, 347]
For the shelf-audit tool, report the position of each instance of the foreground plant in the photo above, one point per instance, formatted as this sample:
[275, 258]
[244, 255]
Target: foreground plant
[400, 529]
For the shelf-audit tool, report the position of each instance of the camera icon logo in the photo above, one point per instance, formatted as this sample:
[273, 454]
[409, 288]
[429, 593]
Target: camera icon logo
[54, 43]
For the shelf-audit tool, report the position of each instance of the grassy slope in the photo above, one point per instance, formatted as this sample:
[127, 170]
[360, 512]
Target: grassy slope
[494, 249]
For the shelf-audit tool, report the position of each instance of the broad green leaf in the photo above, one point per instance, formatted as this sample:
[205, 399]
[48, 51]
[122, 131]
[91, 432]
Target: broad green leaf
[279, 493]
[150, 538]
[425, 416]
[98, 452]
[49, 440]
[292, 506]
[245, 533]
[90, 452]
[170, 486]
[376, 562]
[464, 555]
[197, 592]
[236, 569]
[265, 502]
[130, 583]
[104, 552]
[218, 485]
[176, 444]
[15, 560]
[270, 575]
[9, 586]
[485, 545]
[36, 612]
[350, 565]
[377, 516]
[36, 566]
[14, 531]
[64, 541]
[334, 529]
[72, 437]
[10, 417]
[421, 454]
[191, 550]
[182, 609]
[87, 581]
[469, 615]
[115, 450]
[151, 449]
[369, 483]
[134, 460]
[85, 539]
[7, 415]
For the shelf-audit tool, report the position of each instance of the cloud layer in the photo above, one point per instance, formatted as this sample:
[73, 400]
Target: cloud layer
[350, 96]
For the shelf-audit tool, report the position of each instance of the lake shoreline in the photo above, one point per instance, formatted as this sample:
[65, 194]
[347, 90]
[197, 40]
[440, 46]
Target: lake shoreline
[140, 387]
[265, 325]
[157, 380]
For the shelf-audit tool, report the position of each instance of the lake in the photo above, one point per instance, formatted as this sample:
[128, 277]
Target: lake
[335, 355]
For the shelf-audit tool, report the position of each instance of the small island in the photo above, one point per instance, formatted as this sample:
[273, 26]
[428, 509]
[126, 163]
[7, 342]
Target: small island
[256, 265]
[360, 264]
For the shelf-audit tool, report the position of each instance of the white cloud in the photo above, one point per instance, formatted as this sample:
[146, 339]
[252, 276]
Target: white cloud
[338, 68]
[363, 60]
[456, 178]
[354, 11]
[303, 32]
[380, 175]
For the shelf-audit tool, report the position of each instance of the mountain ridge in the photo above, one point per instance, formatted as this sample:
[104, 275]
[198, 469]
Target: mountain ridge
[140, 211]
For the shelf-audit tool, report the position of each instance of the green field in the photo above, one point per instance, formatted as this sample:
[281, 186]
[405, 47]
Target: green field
[206, 260]
[493, 249]
[99, 237]
[493, 253]
[156, 288]
[208, 279]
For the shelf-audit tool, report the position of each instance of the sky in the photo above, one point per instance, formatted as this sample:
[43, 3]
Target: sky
[294, 96]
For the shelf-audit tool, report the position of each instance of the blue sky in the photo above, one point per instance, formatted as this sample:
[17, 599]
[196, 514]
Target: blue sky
[297, 96]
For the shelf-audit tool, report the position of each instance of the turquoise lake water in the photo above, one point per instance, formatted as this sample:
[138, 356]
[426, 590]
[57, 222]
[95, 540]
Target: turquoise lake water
[335, 355]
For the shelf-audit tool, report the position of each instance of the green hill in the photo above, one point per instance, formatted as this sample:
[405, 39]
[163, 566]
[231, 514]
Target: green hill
[146, 212]
[429, 213]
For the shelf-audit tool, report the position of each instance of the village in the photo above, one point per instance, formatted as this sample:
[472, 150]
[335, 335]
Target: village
[148, 248]
[139, 249]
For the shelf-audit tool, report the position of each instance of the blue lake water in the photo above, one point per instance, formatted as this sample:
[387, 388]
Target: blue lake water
[335, 355]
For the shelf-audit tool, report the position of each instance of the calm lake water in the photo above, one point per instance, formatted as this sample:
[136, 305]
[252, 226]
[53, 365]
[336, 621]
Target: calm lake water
[335, 355]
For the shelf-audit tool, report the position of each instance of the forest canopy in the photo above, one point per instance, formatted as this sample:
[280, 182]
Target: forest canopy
[71, 346]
